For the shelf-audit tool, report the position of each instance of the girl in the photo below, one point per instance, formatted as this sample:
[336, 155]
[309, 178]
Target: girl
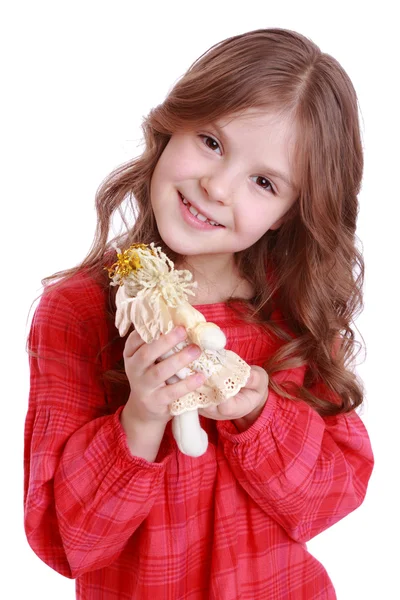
[249, 178]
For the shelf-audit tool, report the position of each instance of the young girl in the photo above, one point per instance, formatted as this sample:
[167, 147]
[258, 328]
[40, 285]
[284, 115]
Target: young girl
[249, 179]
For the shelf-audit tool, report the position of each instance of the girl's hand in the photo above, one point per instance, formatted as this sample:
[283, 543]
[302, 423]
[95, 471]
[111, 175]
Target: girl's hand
[150, 395]
[249, 402]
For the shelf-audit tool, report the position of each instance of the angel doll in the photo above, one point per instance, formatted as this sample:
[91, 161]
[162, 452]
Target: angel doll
[153, 296]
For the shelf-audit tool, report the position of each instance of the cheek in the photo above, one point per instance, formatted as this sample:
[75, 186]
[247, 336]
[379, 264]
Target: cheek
[159, 172]
[254, 221]
[161, 177]
[259, 217]
[177, 162]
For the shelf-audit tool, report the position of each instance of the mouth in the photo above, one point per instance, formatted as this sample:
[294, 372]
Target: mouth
[200, 217]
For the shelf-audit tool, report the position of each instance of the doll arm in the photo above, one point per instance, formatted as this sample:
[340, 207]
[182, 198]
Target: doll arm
[85, 494]
[305, 471]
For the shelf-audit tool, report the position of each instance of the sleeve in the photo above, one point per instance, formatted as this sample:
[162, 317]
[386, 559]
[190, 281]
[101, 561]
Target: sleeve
[84, 493]
[305, 471]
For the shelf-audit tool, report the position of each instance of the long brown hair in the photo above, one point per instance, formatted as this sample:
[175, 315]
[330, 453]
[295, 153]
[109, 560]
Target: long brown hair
[317, 269]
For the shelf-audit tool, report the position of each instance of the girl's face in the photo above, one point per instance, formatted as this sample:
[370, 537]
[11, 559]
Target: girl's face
[235, 173]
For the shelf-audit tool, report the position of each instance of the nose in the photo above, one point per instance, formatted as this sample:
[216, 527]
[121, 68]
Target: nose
[217, 187]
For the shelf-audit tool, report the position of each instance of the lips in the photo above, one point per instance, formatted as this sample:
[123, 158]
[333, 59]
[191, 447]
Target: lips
[199, 214]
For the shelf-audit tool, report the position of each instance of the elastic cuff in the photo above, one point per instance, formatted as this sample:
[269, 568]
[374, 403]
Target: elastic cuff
[228, 431]
[123, 449]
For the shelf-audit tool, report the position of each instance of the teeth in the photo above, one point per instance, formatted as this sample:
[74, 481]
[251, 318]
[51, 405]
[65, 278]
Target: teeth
[196, 213]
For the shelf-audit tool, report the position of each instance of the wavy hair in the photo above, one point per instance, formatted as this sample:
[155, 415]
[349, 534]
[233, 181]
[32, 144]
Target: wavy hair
[317, 270]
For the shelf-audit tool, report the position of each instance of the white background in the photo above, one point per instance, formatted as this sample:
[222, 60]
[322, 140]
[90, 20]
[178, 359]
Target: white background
[77, 78]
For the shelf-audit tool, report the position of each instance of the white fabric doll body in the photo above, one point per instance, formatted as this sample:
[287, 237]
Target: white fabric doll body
[153, 296]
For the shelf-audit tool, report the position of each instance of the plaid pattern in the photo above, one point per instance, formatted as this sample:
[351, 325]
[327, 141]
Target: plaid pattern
[232, 524]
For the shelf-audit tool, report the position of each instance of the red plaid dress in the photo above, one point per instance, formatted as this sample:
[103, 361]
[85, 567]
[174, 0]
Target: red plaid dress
[230, 525]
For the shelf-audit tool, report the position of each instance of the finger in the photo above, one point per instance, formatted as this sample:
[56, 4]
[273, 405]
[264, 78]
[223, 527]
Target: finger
[210, 412]
[184, 386]
[132, 344]
[152, 352]
[164, 370]
[229, 409]
[258, 378]
[236, 406]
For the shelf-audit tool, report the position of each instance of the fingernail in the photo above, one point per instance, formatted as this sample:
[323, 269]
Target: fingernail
[200, 378]
[194, 351]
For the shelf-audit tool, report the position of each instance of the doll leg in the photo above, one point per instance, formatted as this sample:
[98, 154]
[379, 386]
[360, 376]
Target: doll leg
[191, 439]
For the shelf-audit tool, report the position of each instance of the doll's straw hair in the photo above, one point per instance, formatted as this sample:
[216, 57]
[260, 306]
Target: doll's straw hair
[141, 267]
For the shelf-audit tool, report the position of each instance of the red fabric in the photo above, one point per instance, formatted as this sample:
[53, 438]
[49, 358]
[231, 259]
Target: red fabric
[229, 525]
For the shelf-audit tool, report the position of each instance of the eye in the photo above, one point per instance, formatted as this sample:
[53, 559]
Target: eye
[213, 145]
[265, 183]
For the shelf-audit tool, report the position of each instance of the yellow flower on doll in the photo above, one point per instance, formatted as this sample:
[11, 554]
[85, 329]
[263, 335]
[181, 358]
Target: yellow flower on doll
[128, 262]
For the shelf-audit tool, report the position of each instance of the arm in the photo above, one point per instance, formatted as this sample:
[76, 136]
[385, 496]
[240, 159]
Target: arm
[305, 471]
[143, 439]
[85, 493]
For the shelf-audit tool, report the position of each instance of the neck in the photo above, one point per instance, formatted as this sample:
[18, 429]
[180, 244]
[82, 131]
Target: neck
[210, 267]
[217, 278]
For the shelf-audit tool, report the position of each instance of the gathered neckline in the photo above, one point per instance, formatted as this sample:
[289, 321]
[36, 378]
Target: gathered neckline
[219, 303]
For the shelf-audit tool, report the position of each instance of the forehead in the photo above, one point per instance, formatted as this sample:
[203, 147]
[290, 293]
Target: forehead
[255, 120]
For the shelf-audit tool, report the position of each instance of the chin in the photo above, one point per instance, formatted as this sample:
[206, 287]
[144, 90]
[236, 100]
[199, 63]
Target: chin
[180, 248]
[172, 241]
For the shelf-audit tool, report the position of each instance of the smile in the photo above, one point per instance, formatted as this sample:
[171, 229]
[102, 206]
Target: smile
[197, 214]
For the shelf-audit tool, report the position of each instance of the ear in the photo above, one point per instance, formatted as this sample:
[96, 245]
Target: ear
[277, 224]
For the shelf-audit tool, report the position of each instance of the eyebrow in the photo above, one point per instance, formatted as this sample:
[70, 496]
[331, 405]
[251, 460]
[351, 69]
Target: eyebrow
[268, 170]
